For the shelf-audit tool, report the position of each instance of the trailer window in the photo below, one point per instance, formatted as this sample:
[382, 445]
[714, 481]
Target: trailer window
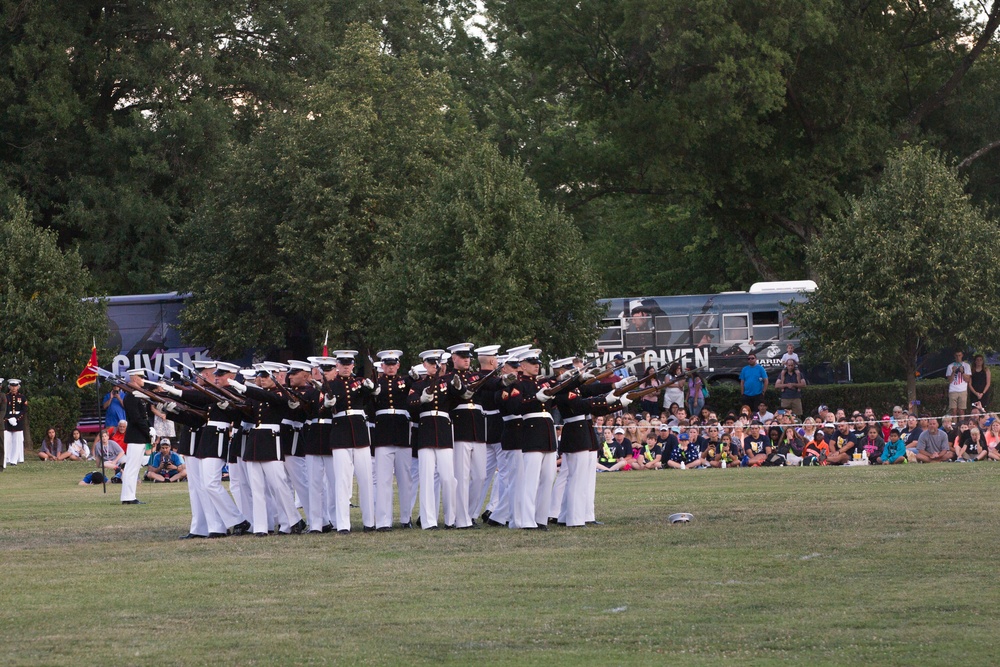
[788, 330]
[672, 330]
[766, 325]
[735, 328]
[611, 334]
[705, 327]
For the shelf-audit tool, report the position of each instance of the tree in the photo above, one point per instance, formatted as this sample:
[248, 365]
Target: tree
[909, 267]
[481, 258]
[47, 328]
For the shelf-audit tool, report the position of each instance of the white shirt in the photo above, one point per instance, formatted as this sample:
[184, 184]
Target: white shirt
[959, 373]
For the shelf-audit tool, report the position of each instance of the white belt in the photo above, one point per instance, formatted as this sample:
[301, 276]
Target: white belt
[349, 413]
[324, 421]
[468, 406]
[310, 422]
[491, 412]
[392, 411]
[220, 425]
[508, 418]
[289, 422]
[274, 428]
[578, 418]
[246, 426]
[435, 413]
[537, 415]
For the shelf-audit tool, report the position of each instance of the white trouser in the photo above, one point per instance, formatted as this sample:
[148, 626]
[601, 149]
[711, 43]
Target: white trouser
[442, 462]
[348, 464]
[322, 503]
[298, 475]
[538, 471]
[239, 486]
[133, 462]
[470, 477]
[204, 518]
[591, 486]
[391, 461]
[414, 485]
[507, 467]
[216, 495]
[559, 493]
[578, 474]
[13, 447]
[492, 454]
[269, 477]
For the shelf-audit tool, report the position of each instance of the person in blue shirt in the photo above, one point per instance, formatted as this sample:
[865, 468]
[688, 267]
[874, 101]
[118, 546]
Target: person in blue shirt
[894, 450]
[166, 465]
[753, 382]
[114, 409]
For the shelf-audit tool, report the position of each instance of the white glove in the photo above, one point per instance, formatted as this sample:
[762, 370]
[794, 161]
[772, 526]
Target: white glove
[542, 397]
[242, 388]
[368, 384]
[329, 402]
[468, 394]
[169, 406]
[316, 383]
[294, 405]
[587, 375]
[427, 396]
[223, 405]
[611, 399]
[152, 432]
[173, 391]
[12, 421]
[509, 379]
[456, 381]
[624, 381]
[138, 394]
[378, 390]
[414, 374]
[624, 400]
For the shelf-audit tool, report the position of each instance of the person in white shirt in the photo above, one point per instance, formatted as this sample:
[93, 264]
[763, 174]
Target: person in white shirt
[958, 385]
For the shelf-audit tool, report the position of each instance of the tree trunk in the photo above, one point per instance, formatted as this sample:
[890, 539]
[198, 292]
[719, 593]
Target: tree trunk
[910, 368]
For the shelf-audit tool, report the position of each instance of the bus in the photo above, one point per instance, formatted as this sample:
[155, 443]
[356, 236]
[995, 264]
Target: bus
[143, 330]
[713, 333]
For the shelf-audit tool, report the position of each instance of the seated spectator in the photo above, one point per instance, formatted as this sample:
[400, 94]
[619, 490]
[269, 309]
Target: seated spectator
[933, 447]
[894, 450]
[873, 444]
[712, 447]
[117, 433]
[898, 419]
[792, 445]
[841, 445]
[92, 479]
[649, 456]
[886, 427]
[165, 465]
[971, 449]
[808, 429]
[78, 450]
[52, 448]
[734, 448]
[685, 455]
[614, 455]
[816, 451]
[772, 456]
[753, 447]
[108, 451]
[666, 439]
[993, 439]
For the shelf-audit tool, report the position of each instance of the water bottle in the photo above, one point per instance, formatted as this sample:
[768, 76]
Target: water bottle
[723, 464]
[683, 466]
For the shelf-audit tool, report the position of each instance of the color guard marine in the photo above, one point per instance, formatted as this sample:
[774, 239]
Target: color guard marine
[391, 441]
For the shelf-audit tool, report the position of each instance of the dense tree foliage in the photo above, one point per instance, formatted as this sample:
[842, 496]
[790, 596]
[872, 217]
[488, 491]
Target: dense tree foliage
[907, 268]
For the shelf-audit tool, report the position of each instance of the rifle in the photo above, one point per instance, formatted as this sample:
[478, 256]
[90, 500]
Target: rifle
[125, 385]
[624, 389]
[611, 371]
[226, 395]
[474, 386]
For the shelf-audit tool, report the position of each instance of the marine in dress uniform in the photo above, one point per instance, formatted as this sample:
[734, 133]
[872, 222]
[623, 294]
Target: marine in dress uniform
[391, 441]
[434, 397]
[13, 425]
[509, 460]
[486, 397]
[469, 426]
[294, 378]
[316, 440]
[262, 456]
[538, 444]
[138, 434]
[350, 442]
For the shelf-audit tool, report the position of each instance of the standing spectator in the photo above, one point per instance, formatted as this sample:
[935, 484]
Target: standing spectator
[695, 394]
[77, 449]
[790, 383]
[650, 402]
[753, 382]
[932, 447]
[52, 447]
[674, 392]
[979, 383]
[164, 427]
[763, 414]
[958, 385]
[789, 355]
[114, 409]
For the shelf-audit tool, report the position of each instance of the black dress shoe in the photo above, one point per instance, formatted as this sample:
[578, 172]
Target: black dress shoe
[328, 528]
[191, 536]
[343, 532]
[486, 516]
[133, 502]
[315, 532]
[215, 536]
[491, 522]
[368, 529]
[384, 529]
[431, 528]
[449, 527]
[542, 526]
[595, 523]
[242, 528]
[260, 534]
[299, 527]
[560, 523]
[408, 524]
[474, 523]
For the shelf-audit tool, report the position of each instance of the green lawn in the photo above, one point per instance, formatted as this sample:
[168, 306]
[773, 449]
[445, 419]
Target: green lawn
[781, 566]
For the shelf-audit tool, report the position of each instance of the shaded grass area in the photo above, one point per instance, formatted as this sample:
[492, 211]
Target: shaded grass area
[781, 566]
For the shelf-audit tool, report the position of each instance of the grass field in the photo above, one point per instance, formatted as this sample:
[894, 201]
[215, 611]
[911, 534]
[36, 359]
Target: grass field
[781, 566]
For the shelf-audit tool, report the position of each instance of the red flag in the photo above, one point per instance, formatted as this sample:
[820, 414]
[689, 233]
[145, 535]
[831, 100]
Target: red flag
[87, 376]
[326, 350]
